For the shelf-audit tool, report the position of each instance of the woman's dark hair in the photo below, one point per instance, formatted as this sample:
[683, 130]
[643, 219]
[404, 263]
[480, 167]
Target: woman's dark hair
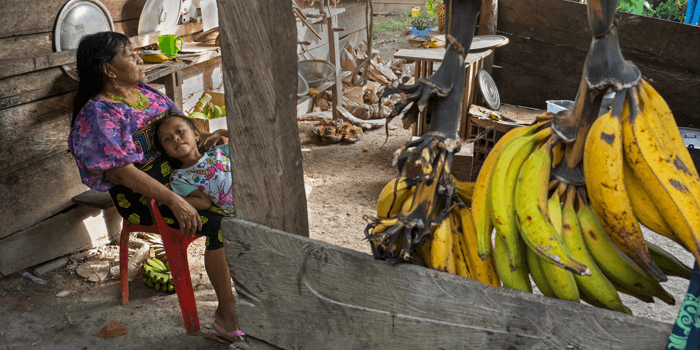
[170, 114]
[93, 52]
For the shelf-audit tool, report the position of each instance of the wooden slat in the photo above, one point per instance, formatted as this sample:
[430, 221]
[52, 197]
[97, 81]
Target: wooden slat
[550, 40]
[79, 229]
[34, 86]
[94, 199]
[22, 17]
[17, 47]
[260, 75]
[34, 193]
[296, 292]
[488, 19]
[34, 131]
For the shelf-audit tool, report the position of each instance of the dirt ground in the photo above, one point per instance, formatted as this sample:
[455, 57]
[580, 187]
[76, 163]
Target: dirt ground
[342, 183]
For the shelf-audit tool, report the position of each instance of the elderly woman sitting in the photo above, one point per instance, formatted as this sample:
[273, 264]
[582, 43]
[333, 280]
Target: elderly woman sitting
[112, 141]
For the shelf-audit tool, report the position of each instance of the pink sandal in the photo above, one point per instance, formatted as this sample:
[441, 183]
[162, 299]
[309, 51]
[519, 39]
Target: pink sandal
[228, 335]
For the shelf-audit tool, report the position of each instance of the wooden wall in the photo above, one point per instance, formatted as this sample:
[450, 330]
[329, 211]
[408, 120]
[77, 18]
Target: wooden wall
[549, 40]
[38, 175]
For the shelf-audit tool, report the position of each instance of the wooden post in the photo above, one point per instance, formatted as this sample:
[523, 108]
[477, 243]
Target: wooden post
[487, 26]
[258, 44]
[334, 58]
[173, 88]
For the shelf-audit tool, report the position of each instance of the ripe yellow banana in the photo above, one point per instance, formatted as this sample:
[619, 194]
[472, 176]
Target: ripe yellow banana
[603, 165]
[480, 211]
[531, 212]
[155, 58]
[458, 246]
[465, 190]
[667, 181]
[441, 257]
[518, 279]
[657, 113]
[561, 281]
[502, 185]
[616, 266]
[393, 195]
[480, 270]
[596, 286]
[669, 263]
[644, 208]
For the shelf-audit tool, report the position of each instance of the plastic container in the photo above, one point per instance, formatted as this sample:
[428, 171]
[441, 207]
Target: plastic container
[416, 32]
[556, 106]
[139, 257]
[415, 11]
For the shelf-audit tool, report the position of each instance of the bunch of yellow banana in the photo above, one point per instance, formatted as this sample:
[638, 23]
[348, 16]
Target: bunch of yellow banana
[584, 241]
[451, 245]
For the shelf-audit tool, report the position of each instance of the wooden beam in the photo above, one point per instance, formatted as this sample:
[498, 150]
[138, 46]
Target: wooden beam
[173, 88]
[260, 77]
[295, 292]
[334, 58]
[488, 20]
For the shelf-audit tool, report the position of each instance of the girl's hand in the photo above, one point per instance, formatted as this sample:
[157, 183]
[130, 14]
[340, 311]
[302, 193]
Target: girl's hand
[187, 216]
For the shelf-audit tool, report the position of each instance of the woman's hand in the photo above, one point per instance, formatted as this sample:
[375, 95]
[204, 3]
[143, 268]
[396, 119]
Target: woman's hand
[186, 215]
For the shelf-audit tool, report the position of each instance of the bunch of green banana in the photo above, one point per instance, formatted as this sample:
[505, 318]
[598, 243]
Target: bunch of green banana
[156, 274]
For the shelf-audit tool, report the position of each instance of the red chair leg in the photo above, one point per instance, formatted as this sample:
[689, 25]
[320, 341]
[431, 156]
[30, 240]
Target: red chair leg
[175, 244]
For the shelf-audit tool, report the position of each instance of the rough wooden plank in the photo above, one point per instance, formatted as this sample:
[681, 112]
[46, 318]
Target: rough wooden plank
[334, 59]
[30, 132]
[295, 292]
[549, 42]
[16, 47]
[260, 74]
[94, 199]
[34, 86]
[488, 19]
[34, 193]
[22, 17]
[26, 65]
[79, 229]
[173, 87]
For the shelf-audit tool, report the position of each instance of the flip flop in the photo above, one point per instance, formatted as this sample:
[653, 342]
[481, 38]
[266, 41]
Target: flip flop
[228, 335]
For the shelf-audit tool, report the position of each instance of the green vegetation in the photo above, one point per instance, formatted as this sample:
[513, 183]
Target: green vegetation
[391, 26]
[430, 6]
[672, 10]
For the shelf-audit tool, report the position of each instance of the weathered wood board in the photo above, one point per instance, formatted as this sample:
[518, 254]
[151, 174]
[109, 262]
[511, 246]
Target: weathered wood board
[299, 293]
[33, 193]
[82, 228]
[260, 83]
[549, 40]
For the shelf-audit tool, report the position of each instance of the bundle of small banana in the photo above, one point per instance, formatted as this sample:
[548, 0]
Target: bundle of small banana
[452, 245]
[157, 275]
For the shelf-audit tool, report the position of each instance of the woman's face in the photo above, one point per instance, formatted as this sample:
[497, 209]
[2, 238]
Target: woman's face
[126, 68]
[178, 138]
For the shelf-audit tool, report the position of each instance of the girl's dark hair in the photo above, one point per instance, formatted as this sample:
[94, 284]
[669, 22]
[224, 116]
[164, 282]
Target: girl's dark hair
[170, 114]
[93, 52]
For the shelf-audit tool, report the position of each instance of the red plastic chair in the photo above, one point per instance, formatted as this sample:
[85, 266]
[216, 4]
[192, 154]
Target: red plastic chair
[175, 244]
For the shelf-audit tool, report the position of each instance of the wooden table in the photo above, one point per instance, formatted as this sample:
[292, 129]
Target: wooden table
[424, 58]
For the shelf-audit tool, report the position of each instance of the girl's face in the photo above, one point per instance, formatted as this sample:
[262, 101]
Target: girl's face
[178, 139]
[126, 68]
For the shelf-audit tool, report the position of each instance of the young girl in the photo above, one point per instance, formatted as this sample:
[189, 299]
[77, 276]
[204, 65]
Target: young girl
[204, 177]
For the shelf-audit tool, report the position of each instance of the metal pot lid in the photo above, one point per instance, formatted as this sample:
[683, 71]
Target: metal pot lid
[159, 15]
[78, 18]
[489, 90]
